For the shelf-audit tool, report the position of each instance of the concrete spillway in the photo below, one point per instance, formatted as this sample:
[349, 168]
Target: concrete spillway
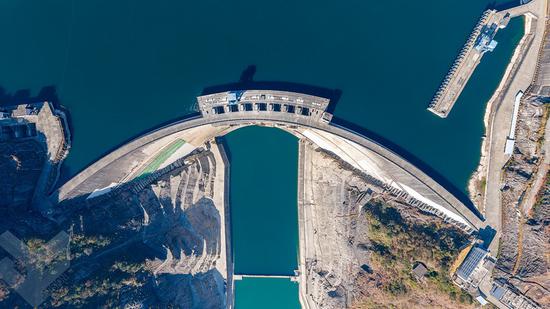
[302, 115]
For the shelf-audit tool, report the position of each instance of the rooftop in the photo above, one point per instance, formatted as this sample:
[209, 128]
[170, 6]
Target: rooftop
[473, 259]
[239, 101]
[420, 270]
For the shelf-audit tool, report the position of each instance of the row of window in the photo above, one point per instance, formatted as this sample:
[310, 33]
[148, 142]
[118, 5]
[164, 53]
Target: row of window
[273, 107]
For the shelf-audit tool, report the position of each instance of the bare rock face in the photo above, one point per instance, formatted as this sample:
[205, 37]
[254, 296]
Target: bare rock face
[183, 222]
[519, 175]
[336, 249]
[21, 164]
[159, 246]
[359, 253]
[524, 246]
[204, 290]
[533, 268]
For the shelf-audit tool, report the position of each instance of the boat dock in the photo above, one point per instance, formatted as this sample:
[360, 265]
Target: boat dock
[479, 42]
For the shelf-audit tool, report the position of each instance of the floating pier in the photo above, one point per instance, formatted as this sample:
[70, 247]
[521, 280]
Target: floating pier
[480, 41]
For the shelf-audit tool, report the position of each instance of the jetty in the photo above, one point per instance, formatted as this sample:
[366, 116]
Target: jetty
[480, 41]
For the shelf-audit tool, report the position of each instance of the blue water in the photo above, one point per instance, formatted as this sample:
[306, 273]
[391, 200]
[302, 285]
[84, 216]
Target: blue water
[122, 67]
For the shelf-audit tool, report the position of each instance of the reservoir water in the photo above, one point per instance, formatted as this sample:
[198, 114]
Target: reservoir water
[122, 67]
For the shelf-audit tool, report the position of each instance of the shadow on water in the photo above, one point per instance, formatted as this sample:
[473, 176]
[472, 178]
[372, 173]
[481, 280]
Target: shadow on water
[48, 93]
[8, 101]
[222, 141]
[144, 132]
[247, 82]
[423, 166]
[23, 96]
[66, 173]
[506, 5]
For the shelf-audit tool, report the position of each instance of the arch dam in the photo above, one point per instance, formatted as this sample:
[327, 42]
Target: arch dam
[300, 114]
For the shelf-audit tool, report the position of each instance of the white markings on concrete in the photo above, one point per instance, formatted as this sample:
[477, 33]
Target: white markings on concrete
[510, 141]
[425, 200]
[348, 151]
[360, 158]
[98, 192]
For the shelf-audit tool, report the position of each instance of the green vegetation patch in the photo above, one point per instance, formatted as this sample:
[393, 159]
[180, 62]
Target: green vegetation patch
[108, 282]
[398, 243]
[163, 156]
[543, 196]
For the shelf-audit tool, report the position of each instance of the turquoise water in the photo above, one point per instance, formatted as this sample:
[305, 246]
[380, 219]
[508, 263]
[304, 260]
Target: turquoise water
[254, 293]
[264, 215]
[264, 164]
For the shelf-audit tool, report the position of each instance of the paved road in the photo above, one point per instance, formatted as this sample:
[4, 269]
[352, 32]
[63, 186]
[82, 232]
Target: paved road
[500, 126]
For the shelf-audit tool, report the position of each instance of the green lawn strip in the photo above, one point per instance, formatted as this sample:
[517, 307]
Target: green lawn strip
[163, 156]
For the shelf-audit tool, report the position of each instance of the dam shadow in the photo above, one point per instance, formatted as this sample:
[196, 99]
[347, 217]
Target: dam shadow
[248, 83]
[24, 96]
[423, 166]
[506, 5]
[9, 101]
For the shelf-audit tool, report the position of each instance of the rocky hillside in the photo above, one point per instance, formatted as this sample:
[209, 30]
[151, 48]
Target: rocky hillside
[21, 163]
[364, 242]
[523, 254]
[157, 246]
[520, 180]
[533, 268]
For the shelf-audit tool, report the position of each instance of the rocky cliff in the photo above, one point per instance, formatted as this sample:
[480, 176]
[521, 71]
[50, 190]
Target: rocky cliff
[160, 245]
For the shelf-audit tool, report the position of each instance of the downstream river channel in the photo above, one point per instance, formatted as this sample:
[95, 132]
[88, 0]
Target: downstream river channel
[123, 67]
[264, 165]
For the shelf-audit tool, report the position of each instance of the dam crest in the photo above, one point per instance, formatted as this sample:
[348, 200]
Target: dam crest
[142, 159]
